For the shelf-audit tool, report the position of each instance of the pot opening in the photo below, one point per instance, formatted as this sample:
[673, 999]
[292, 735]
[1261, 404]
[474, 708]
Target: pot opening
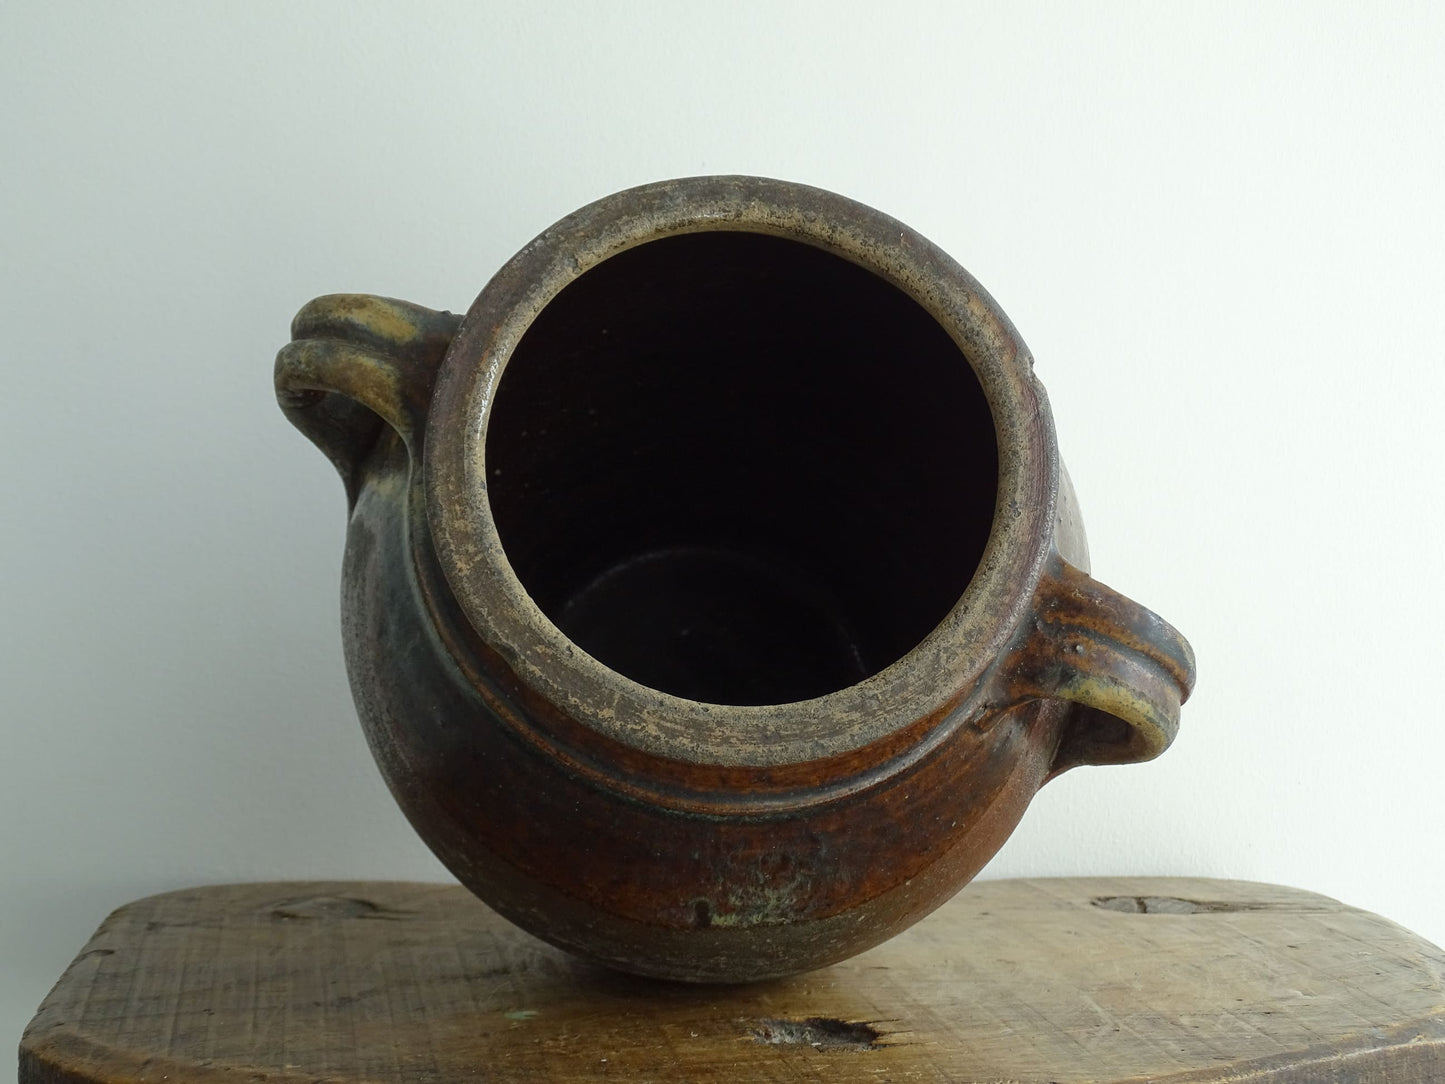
[740, 469]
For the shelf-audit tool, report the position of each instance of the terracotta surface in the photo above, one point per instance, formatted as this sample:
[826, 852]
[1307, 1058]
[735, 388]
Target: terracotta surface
[715, 600]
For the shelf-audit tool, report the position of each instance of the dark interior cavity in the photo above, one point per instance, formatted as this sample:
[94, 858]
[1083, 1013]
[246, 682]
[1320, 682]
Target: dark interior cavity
[740, 469]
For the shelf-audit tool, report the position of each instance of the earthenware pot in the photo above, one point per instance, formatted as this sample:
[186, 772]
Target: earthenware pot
[714, 598]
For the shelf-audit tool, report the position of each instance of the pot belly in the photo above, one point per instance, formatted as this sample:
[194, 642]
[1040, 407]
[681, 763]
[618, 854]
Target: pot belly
[632, 884]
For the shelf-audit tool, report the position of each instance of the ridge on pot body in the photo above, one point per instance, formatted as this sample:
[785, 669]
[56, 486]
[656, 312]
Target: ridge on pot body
[782, 472]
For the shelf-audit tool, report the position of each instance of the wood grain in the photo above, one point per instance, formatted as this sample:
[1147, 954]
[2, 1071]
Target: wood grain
[1022, 981]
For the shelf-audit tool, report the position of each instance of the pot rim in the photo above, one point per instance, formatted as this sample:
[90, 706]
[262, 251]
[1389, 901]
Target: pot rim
[929, 684]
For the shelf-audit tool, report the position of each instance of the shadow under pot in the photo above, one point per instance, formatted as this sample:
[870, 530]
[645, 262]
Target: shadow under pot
[714, 598]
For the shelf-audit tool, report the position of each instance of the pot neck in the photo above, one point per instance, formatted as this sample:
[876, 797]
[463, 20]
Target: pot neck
[921, 691]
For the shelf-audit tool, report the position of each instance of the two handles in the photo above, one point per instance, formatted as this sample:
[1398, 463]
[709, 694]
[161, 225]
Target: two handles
[357, 363]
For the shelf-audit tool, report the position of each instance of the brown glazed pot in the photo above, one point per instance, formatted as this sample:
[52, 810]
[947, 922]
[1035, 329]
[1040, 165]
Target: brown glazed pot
[715, 599]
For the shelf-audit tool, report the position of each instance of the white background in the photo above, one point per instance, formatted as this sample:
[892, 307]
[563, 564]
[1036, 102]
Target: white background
[1220, 228]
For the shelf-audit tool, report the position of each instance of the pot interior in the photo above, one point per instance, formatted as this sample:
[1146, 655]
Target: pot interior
[740, 469]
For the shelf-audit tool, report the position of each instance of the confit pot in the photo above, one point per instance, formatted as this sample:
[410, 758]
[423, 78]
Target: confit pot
[714, 598]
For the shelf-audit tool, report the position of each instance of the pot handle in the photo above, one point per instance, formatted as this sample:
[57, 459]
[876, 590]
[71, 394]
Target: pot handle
[356, 362]
[1127, 670]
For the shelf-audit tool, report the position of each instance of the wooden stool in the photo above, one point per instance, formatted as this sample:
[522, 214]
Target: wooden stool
[1040, 980]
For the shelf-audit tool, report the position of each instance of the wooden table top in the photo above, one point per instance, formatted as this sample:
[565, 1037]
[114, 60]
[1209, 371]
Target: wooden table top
[1064, 980]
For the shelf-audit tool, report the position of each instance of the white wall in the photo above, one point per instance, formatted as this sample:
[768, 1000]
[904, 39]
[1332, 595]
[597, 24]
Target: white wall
[1220, 228]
